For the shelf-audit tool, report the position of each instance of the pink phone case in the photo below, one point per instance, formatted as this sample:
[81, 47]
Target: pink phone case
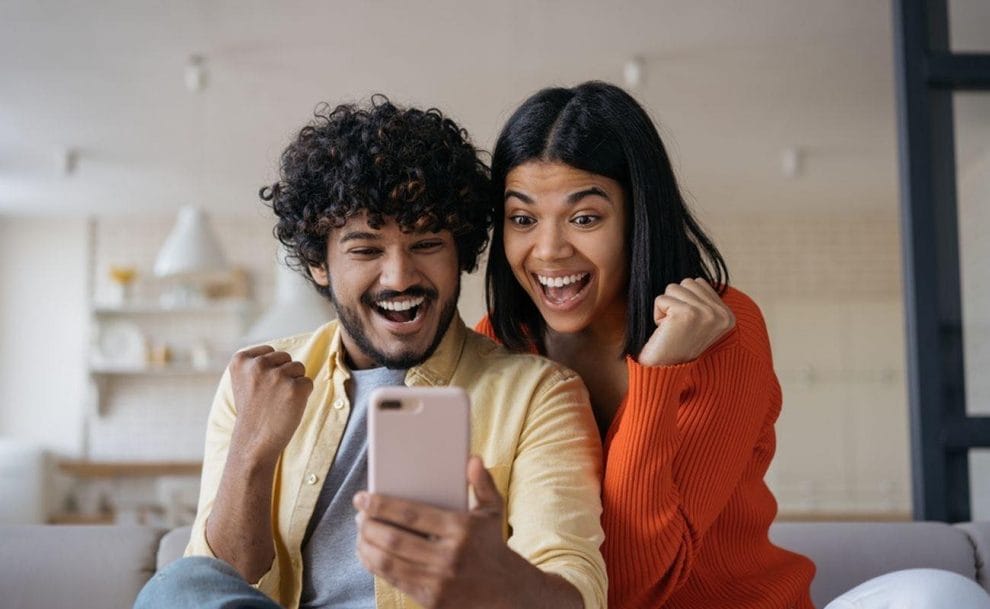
[418, 442]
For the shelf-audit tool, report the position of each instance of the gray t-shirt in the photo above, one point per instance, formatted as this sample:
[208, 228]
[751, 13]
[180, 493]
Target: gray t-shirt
[332, 575]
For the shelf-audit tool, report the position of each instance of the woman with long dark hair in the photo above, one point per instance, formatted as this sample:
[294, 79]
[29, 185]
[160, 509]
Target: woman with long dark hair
[597, 262]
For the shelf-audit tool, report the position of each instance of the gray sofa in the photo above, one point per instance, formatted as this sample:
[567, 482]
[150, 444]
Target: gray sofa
[103, 567]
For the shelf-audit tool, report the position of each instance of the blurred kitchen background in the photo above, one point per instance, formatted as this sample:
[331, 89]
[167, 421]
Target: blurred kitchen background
[135, 255]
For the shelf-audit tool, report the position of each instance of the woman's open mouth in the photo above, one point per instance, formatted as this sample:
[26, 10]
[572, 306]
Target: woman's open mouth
[563, 289]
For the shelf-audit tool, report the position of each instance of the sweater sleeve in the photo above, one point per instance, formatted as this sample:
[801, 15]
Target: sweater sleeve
[675, 455]
[484, 327]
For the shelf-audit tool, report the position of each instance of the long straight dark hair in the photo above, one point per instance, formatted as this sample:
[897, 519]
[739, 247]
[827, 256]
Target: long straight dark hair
[599, 128]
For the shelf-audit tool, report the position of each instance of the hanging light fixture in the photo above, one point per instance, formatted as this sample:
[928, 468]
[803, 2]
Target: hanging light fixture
[297, 308]
[195, 73]
[190, 256]
[632, 72]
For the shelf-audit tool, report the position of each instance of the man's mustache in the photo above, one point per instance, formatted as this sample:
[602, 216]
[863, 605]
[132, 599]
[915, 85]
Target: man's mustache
[370, 299]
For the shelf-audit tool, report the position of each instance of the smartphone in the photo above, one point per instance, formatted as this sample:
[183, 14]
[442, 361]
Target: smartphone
[418, 443]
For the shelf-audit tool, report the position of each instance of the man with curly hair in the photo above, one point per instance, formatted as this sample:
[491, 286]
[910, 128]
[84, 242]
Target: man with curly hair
[382, 208]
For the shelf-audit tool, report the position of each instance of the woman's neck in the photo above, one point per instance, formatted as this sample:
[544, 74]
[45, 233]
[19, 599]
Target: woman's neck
[607, 335]
[596, 354]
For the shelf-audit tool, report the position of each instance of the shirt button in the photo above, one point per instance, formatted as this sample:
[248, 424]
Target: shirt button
[338, 404]
[312, 478]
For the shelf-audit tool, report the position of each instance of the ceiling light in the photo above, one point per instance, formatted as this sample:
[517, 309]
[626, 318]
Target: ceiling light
[67, 160]
[632, 72]
[196, 73]
[791, 162]
[297, 308]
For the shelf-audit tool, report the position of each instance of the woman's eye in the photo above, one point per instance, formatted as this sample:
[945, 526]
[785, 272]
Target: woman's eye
[522, 220]
[585, 220]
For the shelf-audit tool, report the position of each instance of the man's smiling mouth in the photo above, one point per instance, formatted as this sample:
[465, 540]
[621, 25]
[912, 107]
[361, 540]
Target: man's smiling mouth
[403, 309]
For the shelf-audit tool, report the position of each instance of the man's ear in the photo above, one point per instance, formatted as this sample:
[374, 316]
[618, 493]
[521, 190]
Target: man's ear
[319, 275]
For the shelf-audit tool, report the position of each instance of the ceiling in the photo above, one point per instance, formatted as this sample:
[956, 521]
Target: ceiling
[731, 84]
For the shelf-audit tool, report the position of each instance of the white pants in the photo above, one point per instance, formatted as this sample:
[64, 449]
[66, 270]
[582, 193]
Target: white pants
[915, 589]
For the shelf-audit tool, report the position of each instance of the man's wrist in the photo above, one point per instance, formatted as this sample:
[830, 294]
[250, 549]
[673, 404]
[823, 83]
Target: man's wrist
[534, 588]
[251, 456]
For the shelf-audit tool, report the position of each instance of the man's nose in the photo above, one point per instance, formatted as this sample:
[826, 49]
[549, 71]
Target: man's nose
[399, 272]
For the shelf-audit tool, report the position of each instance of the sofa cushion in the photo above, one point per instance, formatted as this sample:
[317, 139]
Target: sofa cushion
[102, 567]
[849, 553]
[845, 553]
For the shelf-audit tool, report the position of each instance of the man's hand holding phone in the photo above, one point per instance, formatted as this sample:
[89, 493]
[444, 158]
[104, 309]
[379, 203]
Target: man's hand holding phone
[445, 558]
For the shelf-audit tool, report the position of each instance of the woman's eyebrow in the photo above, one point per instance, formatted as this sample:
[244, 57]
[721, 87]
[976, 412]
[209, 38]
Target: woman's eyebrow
[515, 193]
[572, 198]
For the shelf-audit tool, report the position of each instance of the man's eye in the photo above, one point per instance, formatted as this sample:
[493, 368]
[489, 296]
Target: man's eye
[522, 220]
[428, 245]
[364, 251]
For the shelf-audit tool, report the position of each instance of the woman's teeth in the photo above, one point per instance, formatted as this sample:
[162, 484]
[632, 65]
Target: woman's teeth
[559, 282]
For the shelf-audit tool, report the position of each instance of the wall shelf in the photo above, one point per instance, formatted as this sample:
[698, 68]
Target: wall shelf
[167, 370]
[85, 468]
[87, 519]
[222, 307]
[102, 377]
[106, 477]
[124, 340]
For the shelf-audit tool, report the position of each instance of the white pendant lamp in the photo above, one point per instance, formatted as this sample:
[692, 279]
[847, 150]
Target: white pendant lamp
[298, 307]
[190, 255]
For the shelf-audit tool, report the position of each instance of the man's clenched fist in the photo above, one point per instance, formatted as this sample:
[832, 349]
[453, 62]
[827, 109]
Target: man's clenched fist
[270, 393]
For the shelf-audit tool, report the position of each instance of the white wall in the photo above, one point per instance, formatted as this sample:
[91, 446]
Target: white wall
[974, 252]
[829, 286]
[43, 328]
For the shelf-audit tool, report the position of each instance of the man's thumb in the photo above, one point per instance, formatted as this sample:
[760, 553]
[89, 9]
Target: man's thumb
[484, 487]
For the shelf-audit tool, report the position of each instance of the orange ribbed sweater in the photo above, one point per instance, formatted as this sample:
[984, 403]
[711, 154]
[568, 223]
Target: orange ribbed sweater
[686, 511]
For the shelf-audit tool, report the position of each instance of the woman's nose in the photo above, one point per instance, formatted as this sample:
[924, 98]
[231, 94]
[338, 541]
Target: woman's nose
[552, 243]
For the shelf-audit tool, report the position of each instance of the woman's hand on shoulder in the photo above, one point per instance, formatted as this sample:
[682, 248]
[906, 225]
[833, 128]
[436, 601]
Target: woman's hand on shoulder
[690, 318]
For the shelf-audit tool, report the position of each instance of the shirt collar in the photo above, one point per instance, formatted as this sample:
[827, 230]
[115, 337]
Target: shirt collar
[439, 367]
[436, 370]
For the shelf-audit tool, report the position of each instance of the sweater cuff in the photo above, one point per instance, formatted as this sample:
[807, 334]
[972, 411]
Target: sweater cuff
[654, 385]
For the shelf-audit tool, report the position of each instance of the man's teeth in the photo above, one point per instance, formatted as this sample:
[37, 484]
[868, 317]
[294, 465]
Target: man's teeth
[559, 282]
[400, 305]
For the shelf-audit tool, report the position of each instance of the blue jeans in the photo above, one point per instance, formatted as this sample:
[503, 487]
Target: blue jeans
[198, 582]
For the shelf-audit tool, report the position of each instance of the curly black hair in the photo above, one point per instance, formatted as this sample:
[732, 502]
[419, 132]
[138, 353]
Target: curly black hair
[416, 167]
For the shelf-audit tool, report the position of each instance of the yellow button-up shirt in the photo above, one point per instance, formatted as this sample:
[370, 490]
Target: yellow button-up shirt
[531, 423]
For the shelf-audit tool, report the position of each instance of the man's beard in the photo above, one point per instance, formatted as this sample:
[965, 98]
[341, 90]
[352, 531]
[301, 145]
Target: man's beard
[351, 321]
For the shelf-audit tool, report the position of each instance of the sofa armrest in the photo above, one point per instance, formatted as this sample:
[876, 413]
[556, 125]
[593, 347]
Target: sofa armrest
[172, 546]
[45, 566]
[979, 536]
[847, 554]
